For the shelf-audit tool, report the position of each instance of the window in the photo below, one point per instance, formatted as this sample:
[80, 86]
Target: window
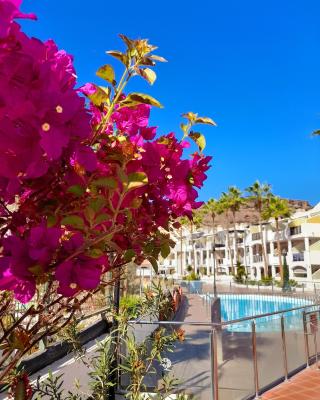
[256, 236]
[298, 257]
[295, 230]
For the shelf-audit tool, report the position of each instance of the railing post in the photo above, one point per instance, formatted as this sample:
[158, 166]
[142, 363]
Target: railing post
[255, 360]
[284, 349]
[214, 365]
[306, 343]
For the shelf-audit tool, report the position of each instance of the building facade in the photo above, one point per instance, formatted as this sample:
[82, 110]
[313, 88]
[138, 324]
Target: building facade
[299, 238]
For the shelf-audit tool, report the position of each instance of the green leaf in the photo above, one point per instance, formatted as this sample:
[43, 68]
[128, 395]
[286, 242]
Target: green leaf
[106, 72]
[89, 214]
[129, 255]
[165, 250]
[95, 253]
[77, 190]
[73, 220]
[136, 203]
[119, 56]
[101, 218]
[184, 128]
[205, 120]
[138, 98]
[190, 116]
[51, 221]
[154, 264]
[148, 74]
[105, 182]
[97, 203]
[137, 179]
[199, 139]
[100, 96]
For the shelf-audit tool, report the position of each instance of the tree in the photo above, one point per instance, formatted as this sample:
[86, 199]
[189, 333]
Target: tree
[235, 200]
[86, 186]
[223, 207]
[259, 194]
[212, 209]
[184, 221]
[195, 222]
[277, 208]
[285, 282]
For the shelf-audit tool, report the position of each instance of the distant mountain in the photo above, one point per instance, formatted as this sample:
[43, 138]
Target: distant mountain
[247, 213]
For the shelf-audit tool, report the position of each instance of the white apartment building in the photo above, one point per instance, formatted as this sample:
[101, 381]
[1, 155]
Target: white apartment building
[299, 240]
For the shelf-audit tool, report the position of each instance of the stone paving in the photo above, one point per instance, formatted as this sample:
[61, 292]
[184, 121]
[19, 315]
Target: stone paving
[303, 386]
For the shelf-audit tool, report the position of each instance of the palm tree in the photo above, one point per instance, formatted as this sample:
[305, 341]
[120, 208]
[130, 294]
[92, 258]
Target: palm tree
[223, 207]
[277, 208]
[183, 222]
[211, 208]
[235, 200]
[260, 193]
[197, 218]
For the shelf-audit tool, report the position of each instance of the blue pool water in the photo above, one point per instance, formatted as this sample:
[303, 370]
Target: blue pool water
[245, 305]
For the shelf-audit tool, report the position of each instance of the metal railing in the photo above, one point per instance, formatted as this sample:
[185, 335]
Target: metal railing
[246, 356]
[308, 290]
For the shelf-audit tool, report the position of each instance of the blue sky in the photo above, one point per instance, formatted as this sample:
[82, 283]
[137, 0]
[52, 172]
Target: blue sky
[253, 66]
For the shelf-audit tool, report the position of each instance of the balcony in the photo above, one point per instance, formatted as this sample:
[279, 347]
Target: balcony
[297, 257]
[257, 258]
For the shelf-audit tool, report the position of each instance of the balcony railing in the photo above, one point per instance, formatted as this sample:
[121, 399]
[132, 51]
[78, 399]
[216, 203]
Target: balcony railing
[257, 258]
[298, 257]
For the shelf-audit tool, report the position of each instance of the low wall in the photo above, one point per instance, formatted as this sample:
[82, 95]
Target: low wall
[54, 352]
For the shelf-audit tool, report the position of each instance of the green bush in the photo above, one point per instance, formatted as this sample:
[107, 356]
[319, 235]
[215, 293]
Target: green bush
[131, 304]
[191, 277]
[241, 274]
[266, 281]
[189, 268]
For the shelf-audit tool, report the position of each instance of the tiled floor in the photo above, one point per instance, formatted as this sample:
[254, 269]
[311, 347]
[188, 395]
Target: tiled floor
[303, 386]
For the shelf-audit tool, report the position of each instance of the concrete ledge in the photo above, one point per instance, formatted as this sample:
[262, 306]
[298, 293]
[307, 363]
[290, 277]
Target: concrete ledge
[54, 352]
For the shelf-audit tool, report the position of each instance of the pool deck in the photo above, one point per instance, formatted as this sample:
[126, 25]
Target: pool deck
[303, 386]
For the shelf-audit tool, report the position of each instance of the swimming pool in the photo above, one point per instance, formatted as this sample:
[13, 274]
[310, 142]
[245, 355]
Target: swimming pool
[236, 306]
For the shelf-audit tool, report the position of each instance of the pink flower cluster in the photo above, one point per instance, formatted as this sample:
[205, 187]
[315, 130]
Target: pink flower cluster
[72, 185]
[25, 259]
[43, 119]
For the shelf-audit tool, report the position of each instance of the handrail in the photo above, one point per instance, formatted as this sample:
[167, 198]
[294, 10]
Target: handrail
[224, 323]
[93, 314]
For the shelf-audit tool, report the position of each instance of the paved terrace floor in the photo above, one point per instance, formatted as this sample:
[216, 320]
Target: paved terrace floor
[303, 386]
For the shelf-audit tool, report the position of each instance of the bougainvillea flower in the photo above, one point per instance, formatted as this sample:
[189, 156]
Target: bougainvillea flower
[148, 133]
[42, 117]
[9, 10]
[23, 289]
[82, 273]
[43, 242]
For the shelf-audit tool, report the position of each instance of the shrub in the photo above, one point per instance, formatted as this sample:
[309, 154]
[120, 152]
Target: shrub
[241, 274]
[131, 305]
[266, 281]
